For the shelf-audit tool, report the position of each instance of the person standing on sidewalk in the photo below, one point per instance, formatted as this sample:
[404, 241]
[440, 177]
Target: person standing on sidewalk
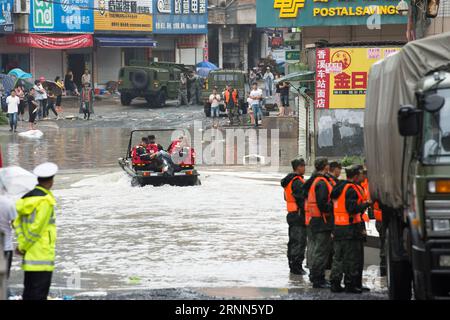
[268, 82]
[13, 102]
[215, 100]
[39, 98]
[36, 234]
[295, 206]
[87, 101]
[255, 103]
[33, 108]
[60, 84]
[20, 92]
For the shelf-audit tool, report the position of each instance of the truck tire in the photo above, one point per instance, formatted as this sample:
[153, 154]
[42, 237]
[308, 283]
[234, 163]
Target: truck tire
[160, 100]
[139, 79]
[207, 108]
[125, 99]
[399, 277]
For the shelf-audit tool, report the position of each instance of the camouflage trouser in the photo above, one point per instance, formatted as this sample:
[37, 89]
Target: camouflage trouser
[310, 250]
[233, 115]
[182, 97]
[346, 261]
[382, 231]
[297, 242]
[321, 254]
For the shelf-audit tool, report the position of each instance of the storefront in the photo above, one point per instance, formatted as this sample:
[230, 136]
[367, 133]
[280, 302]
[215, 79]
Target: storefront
[354, 35]
[181, 27]
[123, 32]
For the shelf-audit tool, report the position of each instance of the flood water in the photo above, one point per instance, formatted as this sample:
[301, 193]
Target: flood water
[229, 232]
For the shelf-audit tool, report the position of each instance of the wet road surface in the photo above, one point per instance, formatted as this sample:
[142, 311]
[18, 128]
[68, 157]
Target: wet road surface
[224, 239]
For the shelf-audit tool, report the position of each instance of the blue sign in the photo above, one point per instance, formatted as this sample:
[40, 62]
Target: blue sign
[180, 16]
[6, 17]
[64, 16]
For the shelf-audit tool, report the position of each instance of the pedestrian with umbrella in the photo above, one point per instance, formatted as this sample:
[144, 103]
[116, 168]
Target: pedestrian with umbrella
[14, 183]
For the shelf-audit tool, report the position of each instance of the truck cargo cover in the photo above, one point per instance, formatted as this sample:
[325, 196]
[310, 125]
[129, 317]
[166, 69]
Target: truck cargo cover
[392, 83]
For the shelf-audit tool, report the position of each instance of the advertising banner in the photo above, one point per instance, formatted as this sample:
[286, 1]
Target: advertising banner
[123, 15]
[180, 16]
[46, 42]
[300, 13]
[64, 16]
[6, 17]
[341, 75]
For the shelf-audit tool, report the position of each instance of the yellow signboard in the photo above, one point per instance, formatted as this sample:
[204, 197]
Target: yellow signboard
[121, 15]
[341, 75]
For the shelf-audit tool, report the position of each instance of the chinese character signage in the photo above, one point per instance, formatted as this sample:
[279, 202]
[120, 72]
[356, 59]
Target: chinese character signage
[180, 16]
[295, 13]
[123, 15]
[341, 75]
[70, 16]
[6, 17]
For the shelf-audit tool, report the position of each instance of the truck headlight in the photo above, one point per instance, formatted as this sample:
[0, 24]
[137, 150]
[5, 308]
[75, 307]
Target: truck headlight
[439, 186]
[441, 225]
[444, 261]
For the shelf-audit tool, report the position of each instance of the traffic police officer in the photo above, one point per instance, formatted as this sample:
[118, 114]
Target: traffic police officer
[36, 234]
[349, 205]
[295, 202]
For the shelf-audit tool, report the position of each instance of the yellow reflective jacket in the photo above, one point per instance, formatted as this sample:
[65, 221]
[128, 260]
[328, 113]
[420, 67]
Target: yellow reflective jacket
[36, 229]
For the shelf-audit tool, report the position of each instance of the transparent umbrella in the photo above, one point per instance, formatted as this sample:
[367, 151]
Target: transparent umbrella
[16, 181]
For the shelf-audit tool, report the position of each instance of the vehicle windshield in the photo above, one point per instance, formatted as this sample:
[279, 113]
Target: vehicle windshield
[436, 133]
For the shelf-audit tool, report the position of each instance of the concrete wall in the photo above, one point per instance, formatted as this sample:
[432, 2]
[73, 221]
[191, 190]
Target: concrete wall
[340, 132]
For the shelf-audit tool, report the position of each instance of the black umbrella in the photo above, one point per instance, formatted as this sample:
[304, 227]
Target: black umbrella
[53, 87]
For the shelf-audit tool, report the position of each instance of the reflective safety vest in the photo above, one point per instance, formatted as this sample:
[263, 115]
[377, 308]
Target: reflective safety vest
[291, 203]
[313, 208]
[234, 95]
[341, 215]
[35, 227]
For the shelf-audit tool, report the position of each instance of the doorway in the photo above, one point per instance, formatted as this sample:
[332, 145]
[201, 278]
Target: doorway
[76, 63]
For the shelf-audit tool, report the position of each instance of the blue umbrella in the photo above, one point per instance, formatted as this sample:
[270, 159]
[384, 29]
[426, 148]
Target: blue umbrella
[8, 82]
[207, 65]
[203, 72]
[20, 74]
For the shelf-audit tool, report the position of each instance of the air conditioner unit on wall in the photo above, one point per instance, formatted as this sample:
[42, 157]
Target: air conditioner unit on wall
[21, 6]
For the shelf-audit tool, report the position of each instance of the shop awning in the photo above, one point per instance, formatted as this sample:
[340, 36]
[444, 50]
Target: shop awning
[125, 42]
[50, 42]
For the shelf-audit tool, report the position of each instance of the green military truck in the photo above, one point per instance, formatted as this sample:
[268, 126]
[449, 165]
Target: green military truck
[407, 146]
[154, 81]
[219, 79]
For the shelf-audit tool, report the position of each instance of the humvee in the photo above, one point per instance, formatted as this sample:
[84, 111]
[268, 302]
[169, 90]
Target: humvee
[154, 81]
[220, 78]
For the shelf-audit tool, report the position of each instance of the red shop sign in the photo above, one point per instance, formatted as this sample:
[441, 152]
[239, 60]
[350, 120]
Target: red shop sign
[46, 42]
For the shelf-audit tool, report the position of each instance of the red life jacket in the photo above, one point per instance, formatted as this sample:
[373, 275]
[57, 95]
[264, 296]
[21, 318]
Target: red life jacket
[291, 203]
[152, 148]
[136, 159]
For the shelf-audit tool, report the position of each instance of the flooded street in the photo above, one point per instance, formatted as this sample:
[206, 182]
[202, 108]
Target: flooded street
[224, 238]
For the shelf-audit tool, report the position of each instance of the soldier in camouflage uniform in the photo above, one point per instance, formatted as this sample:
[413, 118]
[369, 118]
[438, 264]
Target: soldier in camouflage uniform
[349, 205]
[182, 91]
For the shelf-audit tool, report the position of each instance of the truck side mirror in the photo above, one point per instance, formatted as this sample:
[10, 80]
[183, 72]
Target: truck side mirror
[434, 103]
[409, 119]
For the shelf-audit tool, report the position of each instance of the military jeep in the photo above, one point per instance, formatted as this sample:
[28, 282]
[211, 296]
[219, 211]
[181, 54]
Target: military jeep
[220, 78]
[154, 81]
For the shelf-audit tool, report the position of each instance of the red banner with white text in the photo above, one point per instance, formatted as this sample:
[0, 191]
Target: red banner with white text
[47, 42]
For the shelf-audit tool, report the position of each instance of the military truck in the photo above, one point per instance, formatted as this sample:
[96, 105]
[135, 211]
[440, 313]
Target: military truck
[219, 79]
[154, 81]
[407, 146]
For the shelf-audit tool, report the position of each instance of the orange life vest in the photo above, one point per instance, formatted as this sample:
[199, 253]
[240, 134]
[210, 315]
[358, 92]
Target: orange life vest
[234, 95]
[376, 206]
[291, 203]
[341, 215]
[313, 208]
